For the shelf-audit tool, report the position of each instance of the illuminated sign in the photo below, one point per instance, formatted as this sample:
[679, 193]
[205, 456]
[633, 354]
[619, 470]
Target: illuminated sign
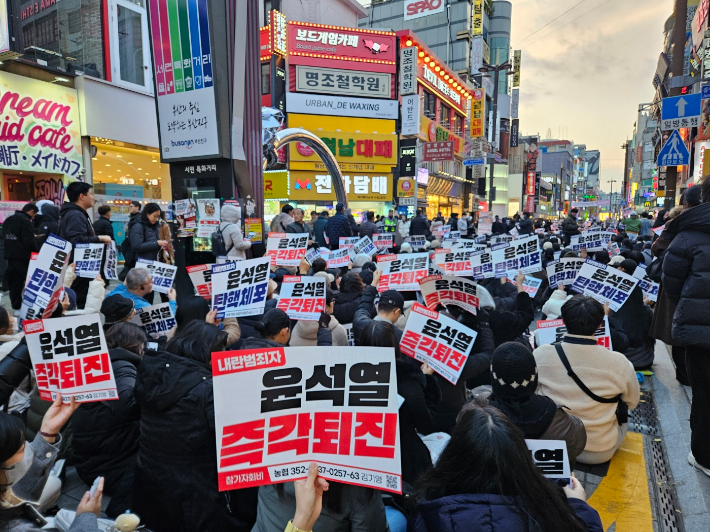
[442, 85]
[478, 108]
[422, 8]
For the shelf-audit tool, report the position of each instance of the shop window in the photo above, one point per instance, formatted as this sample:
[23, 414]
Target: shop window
[458, 125]
[130, 51]
[429, 105]
[444, 114]
[265, 79]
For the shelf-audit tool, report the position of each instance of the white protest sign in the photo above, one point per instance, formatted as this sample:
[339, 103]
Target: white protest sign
[312, 254]
[286, 249]
[364, 245]
[593, 240]
[550, 457]
[383, 241]
[438, 340]
[563, 271]
[530, 285]
[453, 235]
[485, 224]
[658, 230]
[553, 331]
[417, 242]
[157, 320]
[44, 279]
[338, 258]
[163, 275]
[520, 255]
[347, 241]
[482, 264]
[457, 263]
[501, 238]
[465, 245]
[332, 405]
[239, 288]
[449, 290]
[402, 272]
[208, 212]
[604, 283]
[111, 264]
[302, 298]
[201, 277]
[349, 331]
[442, 231]
[648, 286]
[87, 259]
[70, 357]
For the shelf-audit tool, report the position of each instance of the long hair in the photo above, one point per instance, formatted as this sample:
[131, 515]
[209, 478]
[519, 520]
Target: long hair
[12, 436]
[487, 455]
[352, 284]
[191, 309]
[149, 208]
[127, 335]
[380, 334]
[197, 341]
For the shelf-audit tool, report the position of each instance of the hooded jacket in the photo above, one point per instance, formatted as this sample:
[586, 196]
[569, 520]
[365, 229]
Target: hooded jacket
[686, 277]
[49, 222]
[19, 237]
[280, 222]
[346, 304]
[306, 333]
[526, 226]
[75, 225]
[569, 226]
[103, 226]
[232, 232]
[507, 326]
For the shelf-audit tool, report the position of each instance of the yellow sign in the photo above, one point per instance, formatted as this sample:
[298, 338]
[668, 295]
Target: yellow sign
[338, 123]
[368, 148]
[344, 167]
[315, 186]
[477, 25]
[406, 187]
[516, 67]
[276, 184]
[478, 112]
[430, 131]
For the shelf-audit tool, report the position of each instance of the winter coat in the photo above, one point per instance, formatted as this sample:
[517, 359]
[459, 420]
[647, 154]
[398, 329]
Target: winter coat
[526, 226]
[232, 233]
[103, 226]
[324, 339]
[664, 309]
[144, 240]
[49, 220]
[319, 230]
[569, 226]
[507, 326]
[176, 486]
[94, 296]
[280, 222]
[633, 322]
[632, 225]
[481, 512]
[138, 301]
[686, 277]
[645, 227]
[462, 226]
[504, 294]
[105, 435]
[552, 309]
[368, 228]
[298, 228]
[75, 225]
[366, 312]
[346, 305]
[419, 226]
[19, 235]
[337, 226]
[306, 333]
[165, 232]
[498, 228]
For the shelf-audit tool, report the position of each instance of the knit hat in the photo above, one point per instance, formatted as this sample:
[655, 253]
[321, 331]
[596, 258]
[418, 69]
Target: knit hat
[435, 244]
[394, 298]
[72, 298]
[366, 276]
[547, 245]
[329, 278]
[628, 265]
[427, 245]
[405, 248]
[116, 308]
[360, 260]
[369, 266]
[616, 261]
[513, 371]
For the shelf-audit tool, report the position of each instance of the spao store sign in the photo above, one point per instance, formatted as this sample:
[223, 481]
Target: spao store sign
[315, 186]
[422, 8]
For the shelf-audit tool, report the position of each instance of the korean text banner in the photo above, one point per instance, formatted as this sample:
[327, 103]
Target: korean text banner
[208, 216]
[302, 298]
[201, 277]
[465, 244]
[44, 279]
[383, 241]
[338, 258]
[347, 241]
[157, 320]
[563, 271]
[457, 263]
[530, 285]
[70, 357]
[239, 288]
[364, 245]
[482, 264]
[300, 404]
[604, 283]
[402, 272]
[162, 274]
[439, 341]
[550, 457]
[552, 331]
[417, 242]
[448, 290]
[286, 249]
[519, 255]
[591, 240]
[647, 285]
[111, 264]
[87, 258]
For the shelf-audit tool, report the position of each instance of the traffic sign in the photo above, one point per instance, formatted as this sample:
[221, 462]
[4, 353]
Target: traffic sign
[681, 111]
[674, 152]
[474, 161]
[706, 92]
[479, 172]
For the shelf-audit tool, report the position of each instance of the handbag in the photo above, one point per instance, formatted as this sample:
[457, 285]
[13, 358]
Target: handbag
[655, 269]
[622, 409]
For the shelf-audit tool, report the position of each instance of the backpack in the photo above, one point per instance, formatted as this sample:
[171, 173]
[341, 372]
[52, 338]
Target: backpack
[127, 251]
[219, 248]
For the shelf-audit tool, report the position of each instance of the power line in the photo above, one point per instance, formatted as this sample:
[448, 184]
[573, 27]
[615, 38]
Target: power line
[554, 19]
[570, 22]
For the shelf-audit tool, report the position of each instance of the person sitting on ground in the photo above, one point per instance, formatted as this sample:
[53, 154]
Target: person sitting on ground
[509, 325]
[275, 330]
[347, 300]
[552, 309]
[607, 374]
[138, 283]
[389, 308]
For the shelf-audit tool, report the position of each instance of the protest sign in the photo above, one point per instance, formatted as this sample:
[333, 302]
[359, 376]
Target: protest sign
[312, 254]
[417, 242]
[438, 340]
[111, 264]
[286, 249]
[456, 263]
[449, 290]
[239, 288]
[563, 271]
[338, 258]
[552, 331]
[453, 235]
[540, 231]
[208, 212]
[402, 272]
[186, 216]
[157, 320]
[530, 285]
[648, 286]
[302, 298]
[501, 238]
[592, 240]
[70, 357]
[364, 245]
[347, 241]
[550, 457]
[482, 264]
[296, 405]
[485, 224]
[604, 283]
[163, 275]
[44, 279]
[522, 255]
[201, 277]
[87, 260]
[349, 331]
[383, 241]
[441, 231]
[465, 244]
[658, 230]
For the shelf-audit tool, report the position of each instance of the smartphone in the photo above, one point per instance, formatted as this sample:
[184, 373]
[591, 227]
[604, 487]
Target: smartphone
[151, 346]
[94, 487]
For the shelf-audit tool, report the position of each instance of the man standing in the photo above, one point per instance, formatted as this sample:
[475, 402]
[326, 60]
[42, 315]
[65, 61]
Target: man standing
[420, 225]
[337, 226]
[390, 223]
[282, 220]
[525, 227]
[368, 227]
[298, 226]
[498, 227]
[462, 225]
[645, 224]
[20, 242]
[569, 226]
[129, 258]
[319, 229]
[314, 218]
[75, 227]
[103, 226]
[632, 225]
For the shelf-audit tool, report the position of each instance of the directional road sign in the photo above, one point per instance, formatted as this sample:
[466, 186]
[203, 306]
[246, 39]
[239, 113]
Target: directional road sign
[476, 161]
[681, 111]
[706, 92]
[674, 152]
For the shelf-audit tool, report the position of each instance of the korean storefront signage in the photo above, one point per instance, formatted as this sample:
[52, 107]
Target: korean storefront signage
[277, 33]
[321, 104]
[432, 132]
[422, 8]
[438, 151]
[514, 133]
[345, 82]
[406, 187]
[443, 86]
[480, 54]
[311, 186]
[477, 25]
[40, 127]
[516, 67]
[408, 70]
[187, 117]
[515, 103]
[410, 114]
[478, 107]
[407, 157]
[352, 147]
[276, 184]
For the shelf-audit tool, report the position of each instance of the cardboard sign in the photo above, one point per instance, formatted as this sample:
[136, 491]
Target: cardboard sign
[417, 242]
[402, 272]
[658, 230]
[553, 331]
[302, 298]
[550, 457]
[201, 277]
[333, 405]
[208, 213]
[457, 263]
[530, 285]
[240, 288]
[44, 279]
[349, 331]
[157, 320]
[338, 258]
[163, 275]
[347, 241]
[648, 286]
[383, 241]
[604, 283]
[591, 241]
[364, 245]
[563, 271]
[465, 245]
[87, 258]
[439, 341]
[522, 255]
[70, 357]
[482, 264]
[286, 249]
[449, 290]
[111, 264]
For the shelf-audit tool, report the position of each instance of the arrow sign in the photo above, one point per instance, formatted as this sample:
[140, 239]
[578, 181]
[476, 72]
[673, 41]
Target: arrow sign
[681, 111]
[474, 161]
[674, 152]
[680, 104]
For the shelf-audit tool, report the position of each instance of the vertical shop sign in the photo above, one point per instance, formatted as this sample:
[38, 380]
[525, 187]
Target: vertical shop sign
[410, 114]
[514, 133]
[408, 70]
[477, 109]
[516, 67]
[477, 23]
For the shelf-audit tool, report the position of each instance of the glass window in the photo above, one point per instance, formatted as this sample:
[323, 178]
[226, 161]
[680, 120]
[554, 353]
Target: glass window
[444, 114]
[429, 105]
[265, 79]
[458, 126]
[130, 51]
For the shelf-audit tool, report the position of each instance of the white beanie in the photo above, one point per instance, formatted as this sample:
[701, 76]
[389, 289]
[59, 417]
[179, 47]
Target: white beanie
[405, 248]
[361, 259]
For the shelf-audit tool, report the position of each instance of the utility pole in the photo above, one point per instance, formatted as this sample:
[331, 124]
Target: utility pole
[611, 198]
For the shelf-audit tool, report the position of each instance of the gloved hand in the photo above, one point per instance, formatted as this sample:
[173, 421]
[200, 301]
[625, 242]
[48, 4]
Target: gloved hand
[324, 320]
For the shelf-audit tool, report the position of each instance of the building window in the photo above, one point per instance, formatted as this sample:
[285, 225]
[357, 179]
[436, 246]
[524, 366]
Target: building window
[458, 125]
[265, 79]
[130, 51]
[444, 114]
[429, 105]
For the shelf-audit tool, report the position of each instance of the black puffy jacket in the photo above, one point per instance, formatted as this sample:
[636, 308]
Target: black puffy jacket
[49, 222]
[506, 325]
[346, 304]
[144, 240]
[103, 226]
[75, 225]
[19, 236]
[686, 277]
[526, 226]
[336, 226]
[419, 226]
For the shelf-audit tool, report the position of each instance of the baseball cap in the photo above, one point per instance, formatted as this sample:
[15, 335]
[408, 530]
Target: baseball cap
[394, 298]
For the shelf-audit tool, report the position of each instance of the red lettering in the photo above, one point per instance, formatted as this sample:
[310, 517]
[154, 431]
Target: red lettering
[56, 139]
[45, 110]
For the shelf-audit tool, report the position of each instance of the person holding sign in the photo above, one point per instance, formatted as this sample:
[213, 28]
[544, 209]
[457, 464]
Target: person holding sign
[137, 285]
[390, 307]
[275, 330]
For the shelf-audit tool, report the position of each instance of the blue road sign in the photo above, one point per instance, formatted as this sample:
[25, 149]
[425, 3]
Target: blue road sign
[476, 161]
[681, 111]
[706, 92]
[674, 152]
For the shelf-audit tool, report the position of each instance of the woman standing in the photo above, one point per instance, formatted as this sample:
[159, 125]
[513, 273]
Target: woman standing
[144, 238]
[232, 233]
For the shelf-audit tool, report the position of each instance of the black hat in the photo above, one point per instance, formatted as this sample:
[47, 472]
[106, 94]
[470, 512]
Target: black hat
[116, 308]
[513, 371]
[392, 297]
[339, 207]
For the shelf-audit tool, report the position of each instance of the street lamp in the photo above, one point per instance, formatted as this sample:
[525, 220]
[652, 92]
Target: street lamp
[485, 70]
[611, 198]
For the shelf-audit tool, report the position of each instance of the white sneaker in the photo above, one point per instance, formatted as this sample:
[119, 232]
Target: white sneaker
[696, 465]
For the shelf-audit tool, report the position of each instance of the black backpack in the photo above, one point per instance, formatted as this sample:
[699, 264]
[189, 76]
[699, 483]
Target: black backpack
[219, 248]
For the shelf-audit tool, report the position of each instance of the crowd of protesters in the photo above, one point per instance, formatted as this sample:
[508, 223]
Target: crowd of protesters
[155, 449]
